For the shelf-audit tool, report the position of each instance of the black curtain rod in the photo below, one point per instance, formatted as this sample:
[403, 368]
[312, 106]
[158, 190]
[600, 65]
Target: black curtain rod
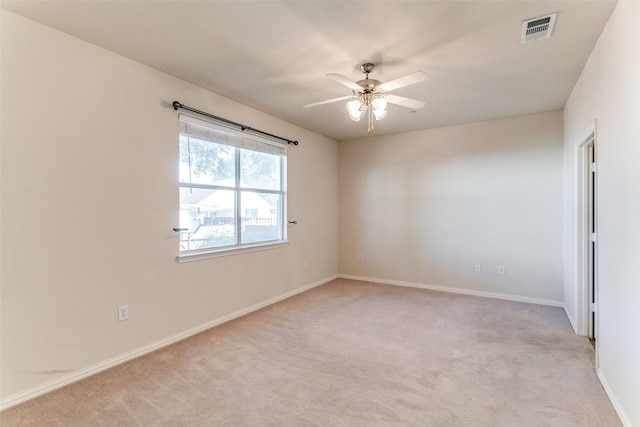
[242, 127]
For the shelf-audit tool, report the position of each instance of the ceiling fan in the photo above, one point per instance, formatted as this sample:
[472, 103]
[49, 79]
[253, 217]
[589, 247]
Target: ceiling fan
[370, 96]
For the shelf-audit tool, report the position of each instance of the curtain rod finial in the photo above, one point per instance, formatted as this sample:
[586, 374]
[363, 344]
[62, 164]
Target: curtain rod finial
[176, 105]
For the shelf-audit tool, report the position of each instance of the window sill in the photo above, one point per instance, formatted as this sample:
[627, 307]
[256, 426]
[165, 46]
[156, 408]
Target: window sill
[216, 253]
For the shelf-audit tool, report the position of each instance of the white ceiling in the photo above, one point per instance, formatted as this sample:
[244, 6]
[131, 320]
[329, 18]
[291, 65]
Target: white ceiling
[273, 55]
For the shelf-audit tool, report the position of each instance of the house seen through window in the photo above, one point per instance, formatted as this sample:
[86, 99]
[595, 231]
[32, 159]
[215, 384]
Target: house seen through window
[232, 188]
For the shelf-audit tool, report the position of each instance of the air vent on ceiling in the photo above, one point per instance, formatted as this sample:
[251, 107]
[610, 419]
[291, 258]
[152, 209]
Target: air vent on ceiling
[537, 28]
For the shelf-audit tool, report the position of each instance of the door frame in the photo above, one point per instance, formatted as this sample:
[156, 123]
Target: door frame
[583, 240]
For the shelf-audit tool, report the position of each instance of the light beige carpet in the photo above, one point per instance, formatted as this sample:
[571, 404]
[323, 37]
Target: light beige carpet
[351, 353]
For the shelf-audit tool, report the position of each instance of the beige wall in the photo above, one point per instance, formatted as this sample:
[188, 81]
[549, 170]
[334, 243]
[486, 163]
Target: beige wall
[89, 198]
[425, 207]
[608, 92]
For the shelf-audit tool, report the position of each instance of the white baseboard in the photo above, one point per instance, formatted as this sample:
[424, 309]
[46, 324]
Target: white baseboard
[64, 380]
[614, 401]
[507, 297]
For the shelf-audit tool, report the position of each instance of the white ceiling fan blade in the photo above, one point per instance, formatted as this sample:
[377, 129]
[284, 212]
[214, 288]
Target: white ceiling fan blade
[328, 101]
[404, 102]
[407, 80]
[344, 81]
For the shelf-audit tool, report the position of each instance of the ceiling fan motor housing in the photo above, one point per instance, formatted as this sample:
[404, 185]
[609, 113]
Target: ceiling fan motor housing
[369, 84]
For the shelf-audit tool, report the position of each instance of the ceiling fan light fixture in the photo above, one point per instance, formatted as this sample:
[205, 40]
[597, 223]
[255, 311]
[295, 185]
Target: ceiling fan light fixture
[355, 109]
[380, 115]
[355, 117]
[379, 108]
[369, 97]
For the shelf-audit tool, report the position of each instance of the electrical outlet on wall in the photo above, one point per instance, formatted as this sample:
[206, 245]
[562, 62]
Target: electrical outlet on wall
[478, 269]
[360, 257]
[501, 270]
[123, 313]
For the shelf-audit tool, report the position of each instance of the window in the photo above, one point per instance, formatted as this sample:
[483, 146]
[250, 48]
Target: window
[232, 189]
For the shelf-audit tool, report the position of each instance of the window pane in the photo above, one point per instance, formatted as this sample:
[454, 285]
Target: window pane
[211, 163]
[261, 216]
[259, 170]
[208, 216]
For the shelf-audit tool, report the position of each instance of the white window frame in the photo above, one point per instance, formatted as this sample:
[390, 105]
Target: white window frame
[214, 133]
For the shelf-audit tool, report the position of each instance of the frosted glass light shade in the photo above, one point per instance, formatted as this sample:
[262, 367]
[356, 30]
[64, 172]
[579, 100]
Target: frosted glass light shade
[355, 109]
[379, 108]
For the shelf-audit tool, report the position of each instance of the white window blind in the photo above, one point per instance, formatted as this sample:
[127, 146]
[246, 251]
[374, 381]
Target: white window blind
[208, 131]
